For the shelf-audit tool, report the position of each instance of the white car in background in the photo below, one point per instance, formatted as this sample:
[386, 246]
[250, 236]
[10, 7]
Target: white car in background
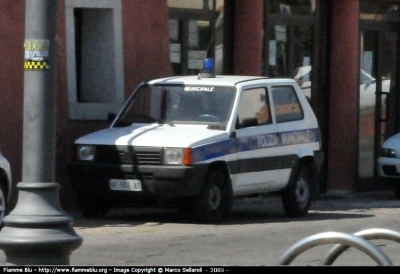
[389, 163]
[302, 75]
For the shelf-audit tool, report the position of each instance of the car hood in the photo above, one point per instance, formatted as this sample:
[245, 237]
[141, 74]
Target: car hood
[157, 135]
[393, 142]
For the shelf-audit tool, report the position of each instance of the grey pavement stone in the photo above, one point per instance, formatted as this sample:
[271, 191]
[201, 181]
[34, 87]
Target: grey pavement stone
[258, 233]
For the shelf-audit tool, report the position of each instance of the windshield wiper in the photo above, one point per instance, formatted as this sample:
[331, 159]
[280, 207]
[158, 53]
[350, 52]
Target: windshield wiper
[139, 118]
[152, 119]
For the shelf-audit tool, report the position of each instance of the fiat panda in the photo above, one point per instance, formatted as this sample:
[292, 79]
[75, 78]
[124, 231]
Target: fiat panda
[197, 143]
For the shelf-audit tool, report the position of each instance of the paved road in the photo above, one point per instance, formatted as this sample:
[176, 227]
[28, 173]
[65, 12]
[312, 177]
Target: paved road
[258, 233]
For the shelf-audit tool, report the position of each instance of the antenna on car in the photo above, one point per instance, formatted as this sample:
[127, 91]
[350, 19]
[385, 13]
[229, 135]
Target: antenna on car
[207, 69]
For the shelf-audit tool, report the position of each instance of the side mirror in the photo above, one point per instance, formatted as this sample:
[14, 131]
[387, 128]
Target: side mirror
[111, 116]
[248, 122]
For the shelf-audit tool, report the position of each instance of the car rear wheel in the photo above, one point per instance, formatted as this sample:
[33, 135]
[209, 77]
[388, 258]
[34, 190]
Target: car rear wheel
[296, 198]
[215, 200]
[91, 206]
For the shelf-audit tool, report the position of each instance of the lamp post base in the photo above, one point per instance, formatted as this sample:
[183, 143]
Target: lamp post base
[38, 231]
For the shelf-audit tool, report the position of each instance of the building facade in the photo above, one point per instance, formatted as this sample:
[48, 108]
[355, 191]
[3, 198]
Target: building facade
[343, 53]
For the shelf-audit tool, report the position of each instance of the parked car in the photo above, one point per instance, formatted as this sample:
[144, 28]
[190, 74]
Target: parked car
[302, 75]
[388, 163]
[198, 142]
[5, 186]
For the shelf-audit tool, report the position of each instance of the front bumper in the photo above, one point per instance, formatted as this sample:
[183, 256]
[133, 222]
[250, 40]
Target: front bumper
[157, 181]
[388, 167]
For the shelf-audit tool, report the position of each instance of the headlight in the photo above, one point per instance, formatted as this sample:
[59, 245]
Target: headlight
[86, 153]
[177, 156]
[387, 152]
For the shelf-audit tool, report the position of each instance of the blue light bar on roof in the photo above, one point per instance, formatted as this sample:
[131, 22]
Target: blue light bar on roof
[208, 65]
[208, 68]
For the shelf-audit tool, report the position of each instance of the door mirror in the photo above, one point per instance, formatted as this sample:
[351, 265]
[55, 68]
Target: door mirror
[248, 122]
[111, 116]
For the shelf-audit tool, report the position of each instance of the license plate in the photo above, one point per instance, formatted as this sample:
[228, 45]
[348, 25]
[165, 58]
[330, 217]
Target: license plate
[125, 185]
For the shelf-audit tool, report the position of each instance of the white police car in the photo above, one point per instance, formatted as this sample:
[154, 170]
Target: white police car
[198, 142]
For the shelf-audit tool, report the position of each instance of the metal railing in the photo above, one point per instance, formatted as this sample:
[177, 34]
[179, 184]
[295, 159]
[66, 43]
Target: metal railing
[359, 240]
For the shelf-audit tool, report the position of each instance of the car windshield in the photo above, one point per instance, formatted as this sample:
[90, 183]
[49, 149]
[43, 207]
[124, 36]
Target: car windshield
[174, 104]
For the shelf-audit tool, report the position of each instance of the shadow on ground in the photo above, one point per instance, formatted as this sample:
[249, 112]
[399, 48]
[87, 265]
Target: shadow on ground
[252, 211]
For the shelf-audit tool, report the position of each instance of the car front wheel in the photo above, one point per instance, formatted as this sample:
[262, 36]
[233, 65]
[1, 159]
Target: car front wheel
[396, 191]
[91, 206]
[296, 198]
[3, 204]
[215, 200]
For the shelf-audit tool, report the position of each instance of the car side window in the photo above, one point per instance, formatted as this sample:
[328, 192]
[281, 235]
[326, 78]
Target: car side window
[254, 108]
[286, 104]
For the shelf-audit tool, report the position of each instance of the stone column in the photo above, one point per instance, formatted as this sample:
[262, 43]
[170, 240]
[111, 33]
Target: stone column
[343, 98]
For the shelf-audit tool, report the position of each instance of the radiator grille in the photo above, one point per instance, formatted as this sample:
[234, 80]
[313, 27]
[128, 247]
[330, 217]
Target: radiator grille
[129, 155]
